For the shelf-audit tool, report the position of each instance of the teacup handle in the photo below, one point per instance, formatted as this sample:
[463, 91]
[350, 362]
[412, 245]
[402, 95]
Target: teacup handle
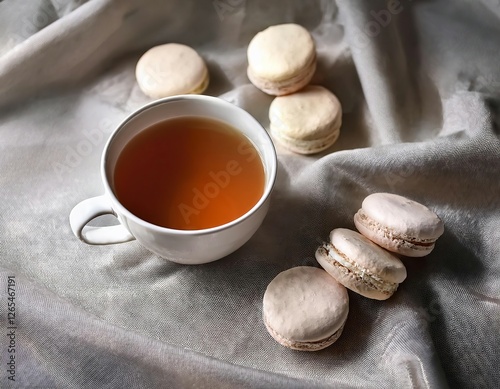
[88, 210]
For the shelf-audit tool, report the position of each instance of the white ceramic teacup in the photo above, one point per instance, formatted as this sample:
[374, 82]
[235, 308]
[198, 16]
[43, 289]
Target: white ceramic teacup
[181, 246]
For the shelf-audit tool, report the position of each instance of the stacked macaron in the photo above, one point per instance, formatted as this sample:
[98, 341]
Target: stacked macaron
[306, 309]
[281, 62]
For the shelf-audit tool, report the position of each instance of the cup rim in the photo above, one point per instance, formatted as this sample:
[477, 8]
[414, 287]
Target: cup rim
[271, 172]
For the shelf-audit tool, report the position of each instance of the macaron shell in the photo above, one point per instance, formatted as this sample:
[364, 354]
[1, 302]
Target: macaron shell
[347, 278]
[304, 346]
[305, 304]
[403, 216]
[367, 255]
[202, 87]
[307, 114]
[280, 52]
[387, 240]
[171, 69]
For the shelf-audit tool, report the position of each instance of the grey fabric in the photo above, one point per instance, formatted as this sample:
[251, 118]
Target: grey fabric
[420, 86]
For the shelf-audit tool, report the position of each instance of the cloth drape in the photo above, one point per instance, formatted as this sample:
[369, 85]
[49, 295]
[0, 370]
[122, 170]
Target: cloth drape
[419, 82]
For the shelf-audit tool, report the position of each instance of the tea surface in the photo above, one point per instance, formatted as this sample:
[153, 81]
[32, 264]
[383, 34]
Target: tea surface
[189, 174]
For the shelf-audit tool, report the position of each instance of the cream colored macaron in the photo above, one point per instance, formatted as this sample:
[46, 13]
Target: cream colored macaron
[307, 121]
[171, 69]
[399, 224]
[305, 309]
[281, 59]
[361, 265]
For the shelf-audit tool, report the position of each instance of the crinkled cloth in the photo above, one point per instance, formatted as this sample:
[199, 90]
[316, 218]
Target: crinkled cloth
[419, 82]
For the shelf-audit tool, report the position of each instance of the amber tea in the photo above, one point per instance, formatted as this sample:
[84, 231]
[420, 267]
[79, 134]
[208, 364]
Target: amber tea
[189, 173]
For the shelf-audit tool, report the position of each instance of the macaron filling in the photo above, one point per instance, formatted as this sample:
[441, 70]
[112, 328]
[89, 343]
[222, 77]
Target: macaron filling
[305, 145]
[339, 259]
[286, 85]
[203, 85]
[362, 218]
[305, 345]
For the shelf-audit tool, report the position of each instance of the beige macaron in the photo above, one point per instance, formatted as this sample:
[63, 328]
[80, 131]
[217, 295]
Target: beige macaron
[171, 69]
[361, 265]
[281, 59]
[305, 309]
[399, 224]
[307, 121]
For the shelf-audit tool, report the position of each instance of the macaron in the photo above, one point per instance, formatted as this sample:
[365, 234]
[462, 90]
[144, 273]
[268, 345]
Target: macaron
[399, 224]
[171, 69]
[305, 309]
[281, 59]
[307, 121]
[361, 265]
